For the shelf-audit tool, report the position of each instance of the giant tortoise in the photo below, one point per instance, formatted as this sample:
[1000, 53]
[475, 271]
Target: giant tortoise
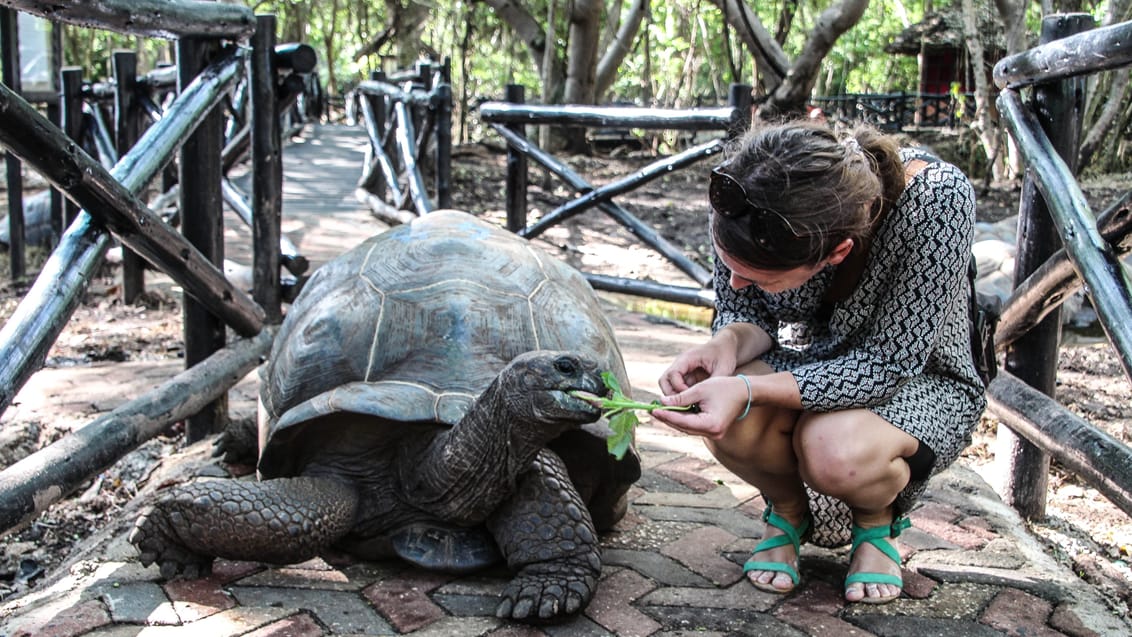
[417, 403]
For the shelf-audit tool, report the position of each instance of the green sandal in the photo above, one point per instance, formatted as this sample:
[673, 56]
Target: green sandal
[790, 535]
[878, 536]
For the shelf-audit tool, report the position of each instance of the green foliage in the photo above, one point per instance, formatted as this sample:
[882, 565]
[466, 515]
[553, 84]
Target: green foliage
[619, 410]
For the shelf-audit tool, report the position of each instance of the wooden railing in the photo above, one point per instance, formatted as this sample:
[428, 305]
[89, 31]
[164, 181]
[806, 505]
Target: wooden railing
[1062, 246]
[219, 47]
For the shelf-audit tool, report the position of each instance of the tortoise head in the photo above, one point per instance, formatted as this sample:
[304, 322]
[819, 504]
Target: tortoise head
[536, 388]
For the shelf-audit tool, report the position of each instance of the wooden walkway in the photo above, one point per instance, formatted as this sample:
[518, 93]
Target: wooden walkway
[321, 215]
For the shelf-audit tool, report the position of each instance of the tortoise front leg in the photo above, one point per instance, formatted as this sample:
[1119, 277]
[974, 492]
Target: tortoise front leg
[546, 534]
[280, 521]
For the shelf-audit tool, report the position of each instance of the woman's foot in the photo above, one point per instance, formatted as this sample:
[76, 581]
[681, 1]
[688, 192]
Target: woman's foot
[773, 567]
[874, 566]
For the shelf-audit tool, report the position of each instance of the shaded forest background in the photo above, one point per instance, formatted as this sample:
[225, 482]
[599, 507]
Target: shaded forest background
[679, 54]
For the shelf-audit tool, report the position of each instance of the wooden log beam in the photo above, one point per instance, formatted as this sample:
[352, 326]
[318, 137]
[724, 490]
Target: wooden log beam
[30, 486]
[625, 184]
[1055, 281]
[377, 148]
[406, 144]
[1089, 52]
[641, 230]
[169, 19]
[1110, 285]
[1102, 461]
[606, 116]
[413, 97]
[650, 289]
[42, 314]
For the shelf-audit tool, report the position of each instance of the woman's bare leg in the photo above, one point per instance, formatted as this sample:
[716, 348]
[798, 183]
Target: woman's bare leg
[858, 457]
[761, 452]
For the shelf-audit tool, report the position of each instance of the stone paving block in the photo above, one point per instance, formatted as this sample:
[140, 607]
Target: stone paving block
[404, 600]
[229, 623]
[612, 606]
[467, 605]
[1087, 618]
[698, 475]
[1033, 582]
[648, 536]
[733, 621]
[813, 596]
[580, 626]
[139, 603]
[732, 520]
[904, 626]
[124, 630]
[293, 577]
[653, 456]
[230, 571]
[739, 596]
[516, 630]
[194, 599]
[719, 497]
[956, 602]
[459, 627]
[652, 482]
[480, 584]
[341, 612]
[1014, 612]
[68, 622]
[653, 565]
[300, 625]
[816, 624]
[701, 551]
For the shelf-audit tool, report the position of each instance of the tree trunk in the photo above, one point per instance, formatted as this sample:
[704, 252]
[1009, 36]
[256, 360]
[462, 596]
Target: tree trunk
[790, 96]
[620, 46]
[987, 129]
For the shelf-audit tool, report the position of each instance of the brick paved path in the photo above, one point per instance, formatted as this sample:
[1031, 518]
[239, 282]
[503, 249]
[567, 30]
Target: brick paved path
[672, 566]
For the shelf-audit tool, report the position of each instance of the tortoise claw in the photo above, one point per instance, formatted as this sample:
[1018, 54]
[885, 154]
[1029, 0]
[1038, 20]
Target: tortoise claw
[547, 592]
[158, 543]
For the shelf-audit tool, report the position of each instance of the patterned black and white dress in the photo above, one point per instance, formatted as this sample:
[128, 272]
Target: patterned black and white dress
[899, 345]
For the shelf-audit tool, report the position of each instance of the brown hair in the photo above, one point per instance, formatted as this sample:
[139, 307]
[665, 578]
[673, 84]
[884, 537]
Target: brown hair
[826, 188]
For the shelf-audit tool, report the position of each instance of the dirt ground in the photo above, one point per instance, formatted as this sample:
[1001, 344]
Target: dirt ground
[1081, 527]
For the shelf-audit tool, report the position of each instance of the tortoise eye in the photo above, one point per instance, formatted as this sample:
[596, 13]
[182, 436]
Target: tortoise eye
[566, 365]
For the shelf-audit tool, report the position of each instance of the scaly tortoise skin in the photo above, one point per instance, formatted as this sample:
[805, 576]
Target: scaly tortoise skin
[415, 405]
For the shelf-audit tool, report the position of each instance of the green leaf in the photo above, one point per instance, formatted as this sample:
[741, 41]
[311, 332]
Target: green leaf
[618, 410]
[622, 425]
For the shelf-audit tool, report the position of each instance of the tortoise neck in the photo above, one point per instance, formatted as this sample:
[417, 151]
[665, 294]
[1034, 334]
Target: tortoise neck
[466, 471]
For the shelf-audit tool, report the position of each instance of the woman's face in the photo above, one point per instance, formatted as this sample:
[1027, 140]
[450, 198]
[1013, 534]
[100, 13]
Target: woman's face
[771, 281]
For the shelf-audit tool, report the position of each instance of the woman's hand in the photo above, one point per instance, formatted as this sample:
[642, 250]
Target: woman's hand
[697, 365]
[720, 400]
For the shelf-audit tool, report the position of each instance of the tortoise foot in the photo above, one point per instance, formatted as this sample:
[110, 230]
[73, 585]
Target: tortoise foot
[548, 592]
[158, 542]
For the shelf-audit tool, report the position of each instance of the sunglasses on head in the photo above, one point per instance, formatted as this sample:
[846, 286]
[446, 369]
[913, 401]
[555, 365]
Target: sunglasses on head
[728, 198]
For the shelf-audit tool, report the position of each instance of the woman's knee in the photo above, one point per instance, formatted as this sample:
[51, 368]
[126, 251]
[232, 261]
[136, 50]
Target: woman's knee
[839, 454]
[762, 440]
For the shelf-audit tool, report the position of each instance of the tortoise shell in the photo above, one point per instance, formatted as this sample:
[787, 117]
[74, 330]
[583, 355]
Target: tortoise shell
[413, 324]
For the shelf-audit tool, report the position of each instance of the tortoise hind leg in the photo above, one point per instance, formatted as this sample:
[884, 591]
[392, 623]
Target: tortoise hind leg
[547, 536]
[280, 521]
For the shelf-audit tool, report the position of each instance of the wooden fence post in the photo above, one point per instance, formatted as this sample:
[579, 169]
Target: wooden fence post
[71, 122]
[443, 130]
[203, 225]
[1033, 357]
[267, 167]
[10, 37]
[126, 131]
[516, 168]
